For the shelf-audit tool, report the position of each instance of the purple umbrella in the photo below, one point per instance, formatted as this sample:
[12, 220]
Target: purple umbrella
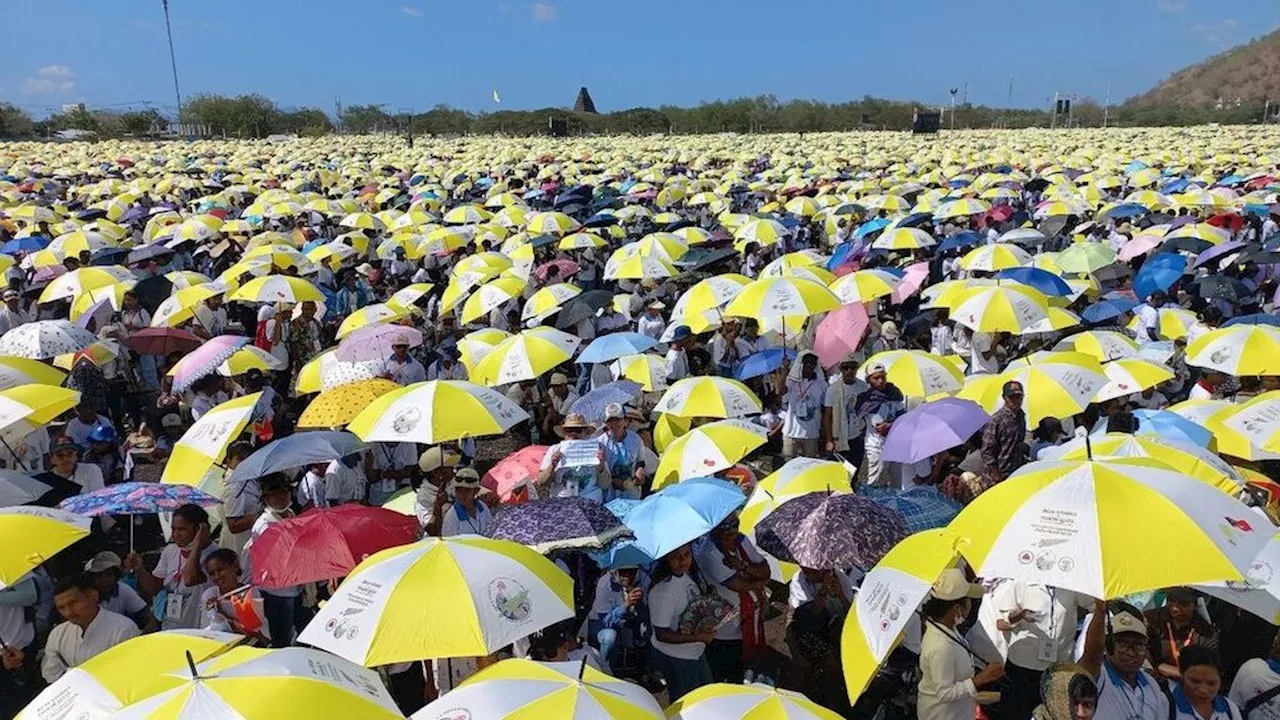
[826, 531]
[1218, 251]
[932, 428]
[374, 342]
[205, 359]
[559, 524]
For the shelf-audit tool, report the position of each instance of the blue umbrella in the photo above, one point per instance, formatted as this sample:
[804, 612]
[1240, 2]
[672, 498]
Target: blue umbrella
[682, 513]
[924, 508]
[592, 404]
[1126, 210]
[1166, 425]
[1254, 319]
[1159, 273]
[622, 554]
[29, 243]
[608, 348]
[960, 240]
[296, 451]
[871, 226]
[1042, 280]
[621, 507]
[543, 240]
[601, 219]
[110, 256]
[1175, 186]
[765, 361]
[1104, 310]
[842, 254]
[914, 220]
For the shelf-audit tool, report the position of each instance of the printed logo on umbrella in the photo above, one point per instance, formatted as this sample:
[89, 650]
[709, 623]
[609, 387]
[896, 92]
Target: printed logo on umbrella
[406, 420]
[510, 599]
[1232, 529]
[456, 714]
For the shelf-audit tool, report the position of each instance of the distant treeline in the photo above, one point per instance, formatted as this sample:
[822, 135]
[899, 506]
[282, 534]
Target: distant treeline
[255, 116]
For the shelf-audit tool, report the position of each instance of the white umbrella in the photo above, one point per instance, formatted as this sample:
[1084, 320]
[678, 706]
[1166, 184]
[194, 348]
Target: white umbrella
[45, 339]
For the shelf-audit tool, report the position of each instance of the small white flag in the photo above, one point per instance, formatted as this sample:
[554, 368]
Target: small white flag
[496, 98]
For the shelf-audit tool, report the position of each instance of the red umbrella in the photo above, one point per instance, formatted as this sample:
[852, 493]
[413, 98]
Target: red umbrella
[162, 341]
[515, 470]
[1227, 220]
[326, 544]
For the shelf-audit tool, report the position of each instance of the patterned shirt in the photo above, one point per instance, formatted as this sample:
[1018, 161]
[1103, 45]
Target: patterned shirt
[1004, 440]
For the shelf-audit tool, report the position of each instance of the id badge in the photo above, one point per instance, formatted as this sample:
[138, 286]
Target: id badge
[388, 485]
[1048, 650]
[173, 606]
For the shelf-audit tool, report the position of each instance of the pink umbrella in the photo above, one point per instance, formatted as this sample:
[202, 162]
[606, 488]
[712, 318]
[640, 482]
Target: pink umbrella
[517, 469]
[567, 268]
[374, 342]
[911, 282]
[840, 333]
[1140, 245]
[205, 359]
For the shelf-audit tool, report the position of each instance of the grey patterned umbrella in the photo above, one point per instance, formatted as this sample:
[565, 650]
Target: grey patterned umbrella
[559, 524]
[827, 531]
[45, 339]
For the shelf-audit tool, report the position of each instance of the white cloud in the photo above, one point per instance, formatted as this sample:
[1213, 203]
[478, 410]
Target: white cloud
[1222, 34]
[50, 80]
[145, 26]
[411, 11]
[1171, 6]
[543, 12]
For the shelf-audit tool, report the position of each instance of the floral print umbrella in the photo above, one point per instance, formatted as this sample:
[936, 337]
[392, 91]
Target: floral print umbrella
[137, 498]
[205, 360]
[826, 531]
[558, 524]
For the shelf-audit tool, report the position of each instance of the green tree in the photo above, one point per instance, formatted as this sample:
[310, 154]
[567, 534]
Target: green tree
[14, 121]
[139, 123]
[366, 119]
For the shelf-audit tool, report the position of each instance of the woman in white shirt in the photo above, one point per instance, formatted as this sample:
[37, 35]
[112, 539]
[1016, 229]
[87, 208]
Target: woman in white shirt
[679, 656]
[282, 605]
[467, 515]
[948, 688]
[180, 570]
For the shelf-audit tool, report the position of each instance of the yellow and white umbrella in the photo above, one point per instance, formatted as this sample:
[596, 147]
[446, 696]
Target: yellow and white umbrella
[547, 301]
[724, 701]
[864, 286]
[964, 207]
[113, 295]
[1109, 528]
[409, 295]
[1131, 375]
[35, 404]
[464, 596]
[692, 235]
[363, 221]
[581, 241]
[918, 374]
[662, 245]
[475, 345]
[375, 314]
[1228, 441]
[249, 357]
[627, 263]
[551, 223]
[903, 239]
[249, 683]
[436, 411]
[205, 443]
[15, 371]
[78, 282]
[1258, 420]
[647, 369]
[181, 306]
[890, 594]
[490, 296]
[1102, 344]
[1013, 308]
[700, 306]
[1198, 462]
[126, 673]
[332, 253]
[1056, 385]
[467, 215]
[1173, 323]
[991, 258]
[524, 688]
[708, 449]
[32, 536]
[1238, 350]
[278, 288]
[525, 356]
[772, 299]
[762, 231]
[709, 396]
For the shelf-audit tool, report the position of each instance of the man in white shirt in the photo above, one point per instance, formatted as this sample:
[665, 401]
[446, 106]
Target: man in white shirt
[17, 634]
[65, 462]
[105, 570]
[393, 464]
[88, 631]
[803, 390]
[1257, 685]
[842, 427]
[211, 317]
[727, 349]
[677, 354]
[1038, 624]
[1148, 315]
[11, 314]
[85, 420]
[651, 324]
[1125, 689]
[403, 367]
[984, 357]
[344, 480]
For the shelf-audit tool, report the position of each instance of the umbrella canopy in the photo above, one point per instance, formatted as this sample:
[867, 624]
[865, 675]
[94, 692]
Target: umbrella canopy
[708, 396]
[205, 360]
[1102, 344]
[708, 449]
[916, 373]
[326, 543]
[278, 288]
[722, 701]
[921, 508]
[32, 536]
[1237, 350]
[437, 411]
[525, 356]
[1192, 460]
[781, 297]
[681, 513]
[515, 471]
[1260, 592]
[163, 341]
[930, 428]
[137, 498]
[593, 404]
[1258, 421]
[19, 489]
[1128, 376]
[827, 530]
[581, 307]
[44, 339]
[514, 688]
[466, 596]
[558, 524]
[1014, 308]
[370, 315]
[1057, 385]
[295, 451]
[35, 404]
[336, 407]
[376, 342]
[1076, 525]
[608, 348]
[204, 444]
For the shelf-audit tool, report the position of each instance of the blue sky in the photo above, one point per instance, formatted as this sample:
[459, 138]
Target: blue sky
[418, 53]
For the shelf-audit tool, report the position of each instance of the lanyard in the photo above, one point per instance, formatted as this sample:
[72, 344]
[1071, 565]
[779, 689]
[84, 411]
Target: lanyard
[957, 640]
[1123, 688]
[1175, 651]
[1052, 594]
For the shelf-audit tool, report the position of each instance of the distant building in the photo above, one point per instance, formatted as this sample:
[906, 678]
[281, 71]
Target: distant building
[73, 108]
[584, 103]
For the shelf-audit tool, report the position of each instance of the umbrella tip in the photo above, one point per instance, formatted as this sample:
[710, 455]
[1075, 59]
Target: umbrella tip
[191, 663]
[1088, 447]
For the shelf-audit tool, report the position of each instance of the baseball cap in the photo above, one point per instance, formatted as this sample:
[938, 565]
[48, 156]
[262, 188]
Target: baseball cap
[875, 368]
[953, 585]
[848, 359]
[10, 294]
[1011, 388]
[614, 410]
[466, 478]
[103, 561]
[434, 458]
[171, 420]
[558, 379]
[682, 332]
[1126, 622]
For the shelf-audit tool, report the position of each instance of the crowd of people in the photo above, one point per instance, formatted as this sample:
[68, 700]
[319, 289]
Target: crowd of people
[637, 307]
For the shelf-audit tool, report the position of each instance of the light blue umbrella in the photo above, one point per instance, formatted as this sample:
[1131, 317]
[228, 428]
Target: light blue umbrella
[1164, 424]
[923, 508]
[608, 348]
[682, 513]
[592, 404]
[296, 451]
[622, 554]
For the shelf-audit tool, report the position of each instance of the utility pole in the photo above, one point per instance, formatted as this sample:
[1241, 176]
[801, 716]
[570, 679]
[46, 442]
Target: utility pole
[173, 61]
[1106, 109]
[1010, 100]
[1053, 112]
[337, 109]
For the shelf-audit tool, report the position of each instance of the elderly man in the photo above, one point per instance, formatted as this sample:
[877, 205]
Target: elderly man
[11, 314]
[1004, 440]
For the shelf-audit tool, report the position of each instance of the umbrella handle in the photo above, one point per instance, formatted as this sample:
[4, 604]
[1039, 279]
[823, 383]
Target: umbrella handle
[25, 469]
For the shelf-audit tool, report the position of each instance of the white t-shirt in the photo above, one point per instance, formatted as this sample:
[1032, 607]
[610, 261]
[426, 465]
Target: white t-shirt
[88, 476]
[343, 484]
[1116, 699]
[803, 405]
[677, 364]
[240, 500]
[1255, 677]
[126, 601]
[1148, 319]
[651, 326]
[78, 430]
[182, 608]
[667, 602]
[803, 590]
[854, 425]
[940, 340]
[452, 523]
[711, 564]
[311, 490]
[1050, 627]
[280, 350]
[982, 343]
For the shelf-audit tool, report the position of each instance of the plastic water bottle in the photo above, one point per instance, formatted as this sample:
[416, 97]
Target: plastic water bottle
[748, 677]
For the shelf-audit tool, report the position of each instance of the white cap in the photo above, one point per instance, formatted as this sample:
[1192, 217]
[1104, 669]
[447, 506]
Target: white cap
[953, 585]
[614, 410]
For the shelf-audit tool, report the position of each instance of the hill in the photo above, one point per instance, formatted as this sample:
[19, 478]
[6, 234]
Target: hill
[1249, 72]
